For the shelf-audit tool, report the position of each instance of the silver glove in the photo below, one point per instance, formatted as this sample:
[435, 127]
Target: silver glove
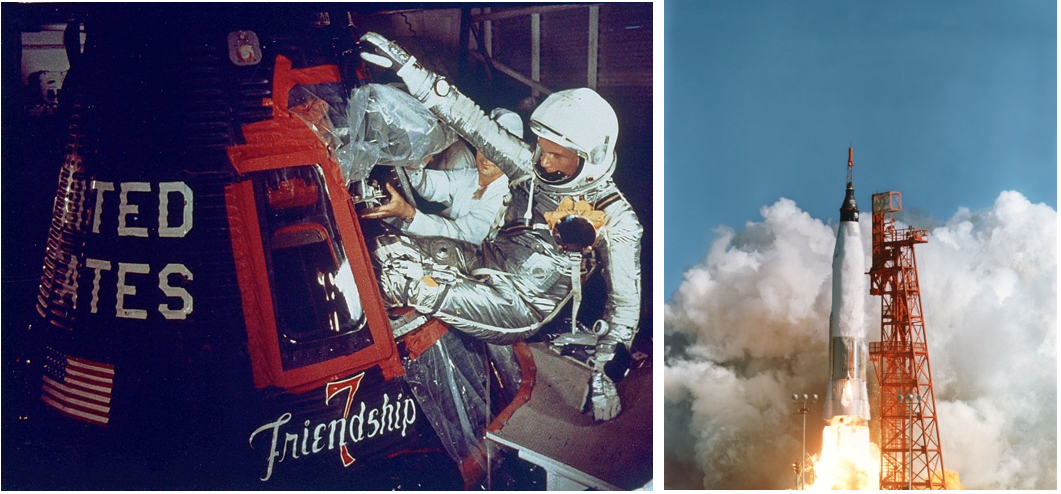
[604, 396]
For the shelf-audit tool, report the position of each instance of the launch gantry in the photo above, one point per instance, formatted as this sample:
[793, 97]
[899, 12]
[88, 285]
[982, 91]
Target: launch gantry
[911, 456]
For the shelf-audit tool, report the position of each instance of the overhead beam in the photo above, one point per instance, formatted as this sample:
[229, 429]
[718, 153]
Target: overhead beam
[496, 16]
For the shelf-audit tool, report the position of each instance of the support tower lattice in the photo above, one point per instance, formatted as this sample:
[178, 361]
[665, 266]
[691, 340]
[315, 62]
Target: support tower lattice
[910, 447]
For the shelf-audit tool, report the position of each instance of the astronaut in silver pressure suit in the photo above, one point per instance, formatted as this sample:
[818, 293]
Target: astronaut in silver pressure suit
[527, 266]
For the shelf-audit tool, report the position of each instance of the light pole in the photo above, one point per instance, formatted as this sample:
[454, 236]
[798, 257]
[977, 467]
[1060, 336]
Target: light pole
[803, 410]
[911, 400]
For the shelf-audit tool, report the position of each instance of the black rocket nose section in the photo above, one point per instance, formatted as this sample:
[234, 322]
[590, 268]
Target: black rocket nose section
[849, 209]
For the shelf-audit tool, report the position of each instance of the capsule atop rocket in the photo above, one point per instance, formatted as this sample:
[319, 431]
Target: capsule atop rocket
[849, 209]
[848, 351]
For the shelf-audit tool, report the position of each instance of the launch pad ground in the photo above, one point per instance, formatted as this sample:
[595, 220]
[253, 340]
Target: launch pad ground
[577, 453]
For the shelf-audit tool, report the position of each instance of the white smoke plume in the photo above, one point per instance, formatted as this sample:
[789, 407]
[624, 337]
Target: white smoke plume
[749, 326]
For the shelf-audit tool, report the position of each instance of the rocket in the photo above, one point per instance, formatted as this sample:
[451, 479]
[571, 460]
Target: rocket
[848, 352]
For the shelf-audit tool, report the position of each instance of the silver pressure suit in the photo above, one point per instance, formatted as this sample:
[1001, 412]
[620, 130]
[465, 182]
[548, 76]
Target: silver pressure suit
[520, 278]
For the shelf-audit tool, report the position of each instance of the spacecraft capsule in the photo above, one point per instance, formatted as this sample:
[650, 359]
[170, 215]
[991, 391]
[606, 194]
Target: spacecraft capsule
[848, 351]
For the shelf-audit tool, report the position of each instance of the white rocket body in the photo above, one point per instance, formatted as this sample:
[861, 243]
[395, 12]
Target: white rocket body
[848, 351]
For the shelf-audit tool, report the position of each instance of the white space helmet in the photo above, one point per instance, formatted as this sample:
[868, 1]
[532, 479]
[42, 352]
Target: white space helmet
[581, 121]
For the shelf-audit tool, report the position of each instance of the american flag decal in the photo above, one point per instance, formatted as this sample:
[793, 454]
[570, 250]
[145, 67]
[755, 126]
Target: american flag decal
[78, 388]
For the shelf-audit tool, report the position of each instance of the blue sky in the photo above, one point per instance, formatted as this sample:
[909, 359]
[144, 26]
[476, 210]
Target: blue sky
[949, 102]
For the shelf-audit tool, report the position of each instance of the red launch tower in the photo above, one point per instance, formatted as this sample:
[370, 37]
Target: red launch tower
[910, 450]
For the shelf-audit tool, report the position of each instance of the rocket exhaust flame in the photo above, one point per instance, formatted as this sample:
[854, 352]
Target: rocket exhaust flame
[848, 459]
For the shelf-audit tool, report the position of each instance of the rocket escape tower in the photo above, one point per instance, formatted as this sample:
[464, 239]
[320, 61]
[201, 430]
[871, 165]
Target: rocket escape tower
[910, 447]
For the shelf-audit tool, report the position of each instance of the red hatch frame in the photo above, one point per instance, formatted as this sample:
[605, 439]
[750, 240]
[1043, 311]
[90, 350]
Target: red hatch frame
[281, 142]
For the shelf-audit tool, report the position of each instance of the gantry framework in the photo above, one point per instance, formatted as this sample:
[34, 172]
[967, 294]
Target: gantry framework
[910, 447]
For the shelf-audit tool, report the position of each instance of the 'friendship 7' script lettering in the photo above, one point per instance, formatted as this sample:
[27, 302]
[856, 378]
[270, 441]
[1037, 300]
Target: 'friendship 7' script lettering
[390, 416]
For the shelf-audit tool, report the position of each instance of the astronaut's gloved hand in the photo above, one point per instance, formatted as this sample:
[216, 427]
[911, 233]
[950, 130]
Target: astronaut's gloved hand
[423, 84]
[386, 53]
[604, 397]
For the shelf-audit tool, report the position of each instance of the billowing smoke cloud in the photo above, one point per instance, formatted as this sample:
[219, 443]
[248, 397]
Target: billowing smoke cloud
[749, 326]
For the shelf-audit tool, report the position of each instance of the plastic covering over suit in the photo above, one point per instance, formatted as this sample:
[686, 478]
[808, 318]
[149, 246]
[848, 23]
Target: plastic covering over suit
[450, 382]
[522, 277]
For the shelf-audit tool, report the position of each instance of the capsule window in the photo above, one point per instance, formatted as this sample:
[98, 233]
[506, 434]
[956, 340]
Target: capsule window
[318, 309]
